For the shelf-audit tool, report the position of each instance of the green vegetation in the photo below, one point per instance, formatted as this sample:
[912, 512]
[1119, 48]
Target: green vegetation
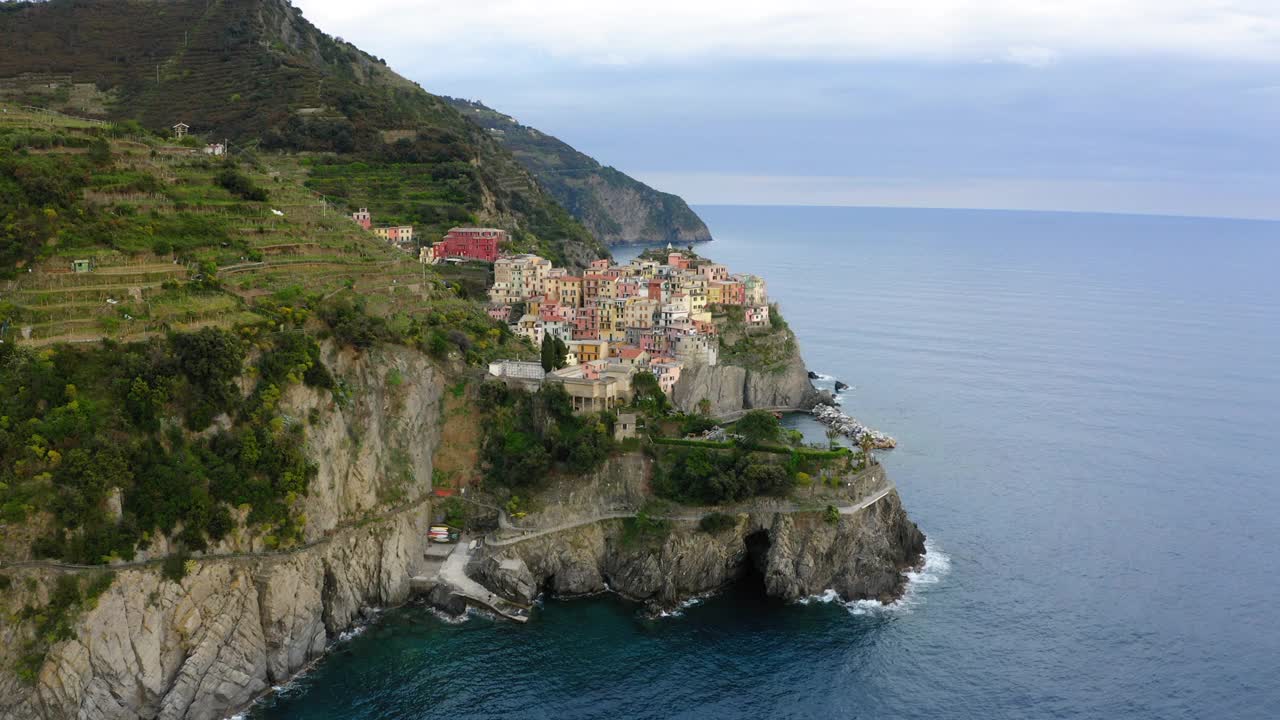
[553, 353]
[374, 138]
[770, 349]
[644, 530]
[704, 476]
[81, 425]
[648, 396]
[758, 427]
[527, 436]
[237, 183]
[717, 522]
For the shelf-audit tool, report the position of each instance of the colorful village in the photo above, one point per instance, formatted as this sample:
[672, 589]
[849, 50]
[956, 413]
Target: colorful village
[606, 324]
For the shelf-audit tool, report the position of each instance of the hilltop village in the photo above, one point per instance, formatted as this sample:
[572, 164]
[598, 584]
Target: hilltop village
[599, 328]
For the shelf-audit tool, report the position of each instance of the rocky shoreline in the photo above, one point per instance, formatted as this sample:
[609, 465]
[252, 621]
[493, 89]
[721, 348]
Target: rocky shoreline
[850, 427]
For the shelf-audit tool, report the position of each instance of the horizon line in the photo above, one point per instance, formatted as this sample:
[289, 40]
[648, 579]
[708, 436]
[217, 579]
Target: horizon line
[1174, 216]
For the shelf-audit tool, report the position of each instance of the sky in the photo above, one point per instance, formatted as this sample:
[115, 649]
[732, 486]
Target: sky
[1146, 106]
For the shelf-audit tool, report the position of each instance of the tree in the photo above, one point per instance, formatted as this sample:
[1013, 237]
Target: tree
[648, 394]
[561, 354]
[758, 426]
[867, 444]
[832, 436]
[553, 353]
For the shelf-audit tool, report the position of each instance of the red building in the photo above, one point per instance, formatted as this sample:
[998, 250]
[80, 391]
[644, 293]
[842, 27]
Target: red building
[470, 243]
[363, 218]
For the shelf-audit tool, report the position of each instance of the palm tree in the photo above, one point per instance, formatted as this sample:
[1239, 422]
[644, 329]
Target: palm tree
[832, 435]
[867, 443]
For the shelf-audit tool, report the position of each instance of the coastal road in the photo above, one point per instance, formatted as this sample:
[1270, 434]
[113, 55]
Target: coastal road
[531, 534]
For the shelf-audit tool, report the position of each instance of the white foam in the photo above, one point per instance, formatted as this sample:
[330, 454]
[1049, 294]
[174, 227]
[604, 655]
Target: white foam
[936, 566]
[678, 611]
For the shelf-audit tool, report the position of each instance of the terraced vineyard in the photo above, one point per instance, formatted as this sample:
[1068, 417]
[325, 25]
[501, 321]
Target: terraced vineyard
[146, 282]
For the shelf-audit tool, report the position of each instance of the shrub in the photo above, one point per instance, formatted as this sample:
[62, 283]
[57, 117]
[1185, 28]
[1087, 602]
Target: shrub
[758, 426]
[717, 522]
[238, 184]
[696, 424]
[831, 514]
[174, 568]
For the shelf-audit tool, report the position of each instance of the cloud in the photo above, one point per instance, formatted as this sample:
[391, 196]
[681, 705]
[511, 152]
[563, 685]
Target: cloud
[1036, 57]
[1026, 32]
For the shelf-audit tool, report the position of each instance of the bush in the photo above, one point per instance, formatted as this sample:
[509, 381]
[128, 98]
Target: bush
[696, 424]
[174, 568]
[717, 522]
[758, 426]
[708, 476]
[240, 185]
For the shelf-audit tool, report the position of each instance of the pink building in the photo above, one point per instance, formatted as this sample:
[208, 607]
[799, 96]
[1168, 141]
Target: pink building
[756, 315]
[470, 243]
[551, 311]
[363, 218]
[501, 313]
[678, 261]
[586, 324]
[628, 287]
[599, 265]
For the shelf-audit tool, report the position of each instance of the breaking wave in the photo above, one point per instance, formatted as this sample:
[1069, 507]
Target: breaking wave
[937, 564]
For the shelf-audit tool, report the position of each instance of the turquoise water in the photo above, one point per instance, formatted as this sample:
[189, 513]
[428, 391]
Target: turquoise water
[1087, 412]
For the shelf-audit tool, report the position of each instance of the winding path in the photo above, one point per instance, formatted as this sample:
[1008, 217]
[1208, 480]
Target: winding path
[531, 534]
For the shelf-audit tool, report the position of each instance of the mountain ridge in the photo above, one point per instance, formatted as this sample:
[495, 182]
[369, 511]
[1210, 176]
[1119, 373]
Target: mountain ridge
[258, 72]
[616, 207]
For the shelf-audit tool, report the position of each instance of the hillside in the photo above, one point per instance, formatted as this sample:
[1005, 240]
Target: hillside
[614, 206]
[256, 72]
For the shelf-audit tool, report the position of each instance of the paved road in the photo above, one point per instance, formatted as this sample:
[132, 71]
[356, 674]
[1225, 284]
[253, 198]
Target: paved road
[454, 573]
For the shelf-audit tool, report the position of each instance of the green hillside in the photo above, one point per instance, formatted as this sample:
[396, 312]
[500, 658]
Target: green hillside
[256, 72]
[617, 208]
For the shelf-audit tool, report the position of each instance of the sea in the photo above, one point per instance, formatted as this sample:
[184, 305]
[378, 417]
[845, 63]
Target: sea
[1087, 410]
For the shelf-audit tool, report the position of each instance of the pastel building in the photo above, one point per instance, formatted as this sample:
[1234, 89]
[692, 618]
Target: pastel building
[470, 243]
[395, 234]
[363, 218]
[519, 278]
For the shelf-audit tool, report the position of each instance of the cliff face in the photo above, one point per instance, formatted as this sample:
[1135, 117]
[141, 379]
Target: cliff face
[862, 556]
[202, 648]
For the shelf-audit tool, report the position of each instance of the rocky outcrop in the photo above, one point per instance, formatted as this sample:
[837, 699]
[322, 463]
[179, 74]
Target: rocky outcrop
[798, 554]
[728, 389]
[614, 206]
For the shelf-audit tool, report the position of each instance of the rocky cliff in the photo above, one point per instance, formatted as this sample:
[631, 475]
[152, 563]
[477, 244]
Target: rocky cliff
[795, 554]
[203, 647]
[729, 388]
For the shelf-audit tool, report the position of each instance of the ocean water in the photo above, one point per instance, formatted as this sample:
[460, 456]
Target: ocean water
[1088, 412]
